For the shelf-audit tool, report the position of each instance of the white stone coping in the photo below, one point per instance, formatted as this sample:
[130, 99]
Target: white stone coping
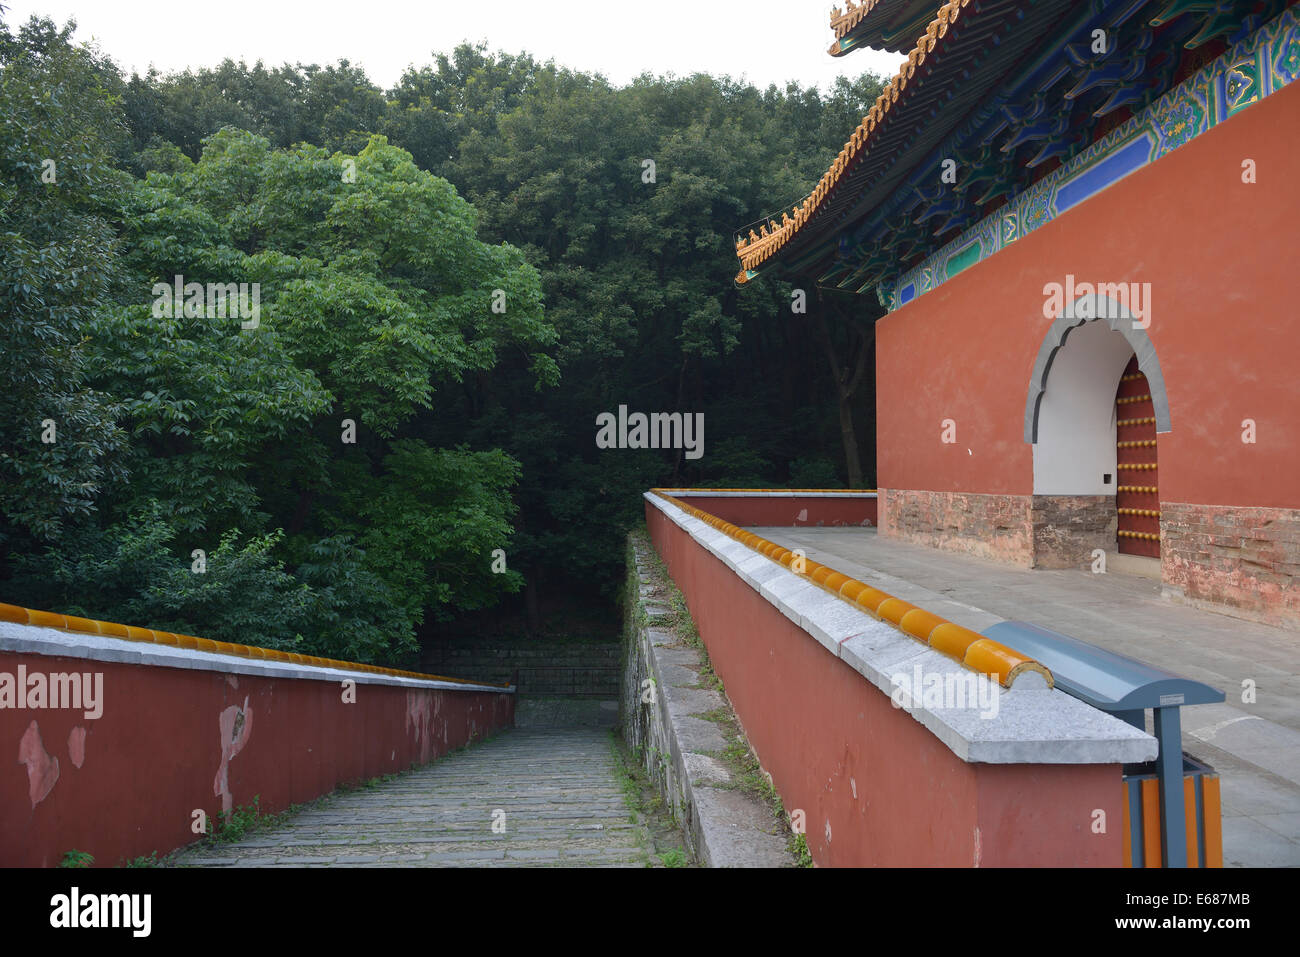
[764, 493]
[1030, 726]
[39, 640]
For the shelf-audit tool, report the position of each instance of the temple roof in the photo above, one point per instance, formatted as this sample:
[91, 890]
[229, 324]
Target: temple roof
[891, 25]
[840, 184]
[1000, 89]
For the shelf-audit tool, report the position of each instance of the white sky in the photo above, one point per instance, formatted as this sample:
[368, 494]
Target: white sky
[766, 41]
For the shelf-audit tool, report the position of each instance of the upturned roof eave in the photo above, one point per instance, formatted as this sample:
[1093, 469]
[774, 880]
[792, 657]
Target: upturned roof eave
[879, 24]
[762, 247]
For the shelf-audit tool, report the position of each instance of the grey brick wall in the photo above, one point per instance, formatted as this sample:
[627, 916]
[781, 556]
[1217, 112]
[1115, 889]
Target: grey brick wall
[555, 669]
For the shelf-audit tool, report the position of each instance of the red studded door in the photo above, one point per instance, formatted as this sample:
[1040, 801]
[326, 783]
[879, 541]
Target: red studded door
[1137, 496]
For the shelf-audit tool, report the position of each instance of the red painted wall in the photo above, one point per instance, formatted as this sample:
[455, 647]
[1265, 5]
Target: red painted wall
[1220, 257]
[792, 510]
[155, 754]
[821, 730]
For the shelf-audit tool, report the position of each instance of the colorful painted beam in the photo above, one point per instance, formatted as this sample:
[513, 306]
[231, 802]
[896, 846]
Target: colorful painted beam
[1258, 66]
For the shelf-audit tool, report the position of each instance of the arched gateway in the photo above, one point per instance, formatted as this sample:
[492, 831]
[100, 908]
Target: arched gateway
[1096, 401]
[1101, 309]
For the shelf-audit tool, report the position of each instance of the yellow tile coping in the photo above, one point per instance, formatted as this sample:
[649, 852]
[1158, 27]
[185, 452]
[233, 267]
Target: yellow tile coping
[91, 626]
[973, 650]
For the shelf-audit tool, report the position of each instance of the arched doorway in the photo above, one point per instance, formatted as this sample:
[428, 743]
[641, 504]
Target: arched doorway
[1075, 450]
[1137, 498]
[1096, 309]
[1096, 401]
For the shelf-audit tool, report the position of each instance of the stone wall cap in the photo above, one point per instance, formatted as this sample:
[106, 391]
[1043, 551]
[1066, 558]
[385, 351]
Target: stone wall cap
[51, 642]
[1020, 725]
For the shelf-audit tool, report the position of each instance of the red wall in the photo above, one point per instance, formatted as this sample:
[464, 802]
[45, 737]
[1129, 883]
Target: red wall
[1220, 257]
[792, 510]
[821, 730]
[156, 752]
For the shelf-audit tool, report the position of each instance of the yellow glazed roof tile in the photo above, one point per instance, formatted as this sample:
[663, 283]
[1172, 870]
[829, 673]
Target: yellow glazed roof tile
[842, 21]
[760, 246]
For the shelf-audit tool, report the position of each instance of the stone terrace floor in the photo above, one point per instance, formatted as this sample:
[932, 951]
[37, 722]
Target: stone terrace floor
[558, 788]
[1254, 747]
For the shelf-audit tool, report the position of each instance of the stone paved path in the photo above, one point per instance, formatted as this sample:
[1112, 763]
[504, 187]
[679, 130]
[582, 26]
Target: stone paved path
[559, 790]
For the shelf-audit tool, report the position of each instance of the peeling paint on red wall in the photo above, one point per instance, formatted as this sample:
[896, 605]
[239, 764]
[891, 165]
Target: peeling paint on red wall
[419, 714]
[42, 767]
[77, 746]
[236, 725]
[154, 753]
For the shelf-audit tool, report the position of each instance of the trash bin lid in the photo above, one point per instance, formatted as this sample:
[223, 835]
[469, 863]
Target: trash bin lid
[1104, 679]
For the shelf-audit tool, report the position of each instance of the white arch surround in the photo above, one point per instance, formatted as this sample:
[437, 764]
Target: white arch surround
[1070, 413]
[1097, 308]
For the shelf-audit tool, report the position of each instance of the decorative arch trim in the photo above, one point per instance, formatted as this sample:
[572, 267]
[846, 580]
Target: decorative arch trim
[1095, 308]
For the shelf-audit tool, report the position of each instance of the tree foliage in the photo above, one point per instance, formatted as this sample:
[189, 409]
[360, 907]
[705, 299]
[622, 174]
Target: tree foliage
[460, 273]
[58, 255]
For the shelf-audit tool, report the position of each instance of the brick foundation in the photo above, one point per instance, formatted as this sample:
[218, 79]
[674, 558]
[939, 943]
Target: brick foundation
[1245, 561]
[1032, 531]
[996, 527]
[1067, 528]
[1231, 559]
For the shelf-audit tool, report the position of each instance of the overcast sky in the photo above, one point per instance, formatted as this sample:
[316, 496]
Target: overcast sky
[766, 41]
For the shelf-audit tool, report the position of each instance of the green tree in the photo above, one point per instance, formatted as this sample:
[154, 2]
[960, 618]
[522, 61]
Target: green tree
[382, 229]
[58, 259]
[374, 294]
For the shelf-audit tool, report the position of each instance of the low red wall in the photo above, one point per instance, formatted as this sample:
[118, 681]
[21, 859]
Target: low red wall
[792, 510]
[877, 788]
[173, 740]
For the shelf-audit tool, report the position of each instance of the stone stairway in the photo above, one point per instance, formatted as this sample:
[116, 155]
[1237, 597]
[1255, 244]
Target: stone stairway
[553, 795]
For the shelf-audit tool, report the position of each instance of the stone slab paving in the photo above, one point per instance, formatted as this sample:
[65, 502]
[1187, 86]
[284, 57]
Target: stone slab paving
[1255, 747]
[555, 793]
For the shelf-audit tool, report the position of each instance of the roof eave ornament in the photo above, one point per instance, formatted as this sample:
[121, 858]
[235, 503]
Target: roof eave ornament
[762, 247]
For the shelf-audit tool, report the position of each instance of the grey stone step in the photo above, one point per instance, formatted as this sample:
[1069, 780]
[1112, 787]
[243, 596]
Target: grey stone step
[559, 790]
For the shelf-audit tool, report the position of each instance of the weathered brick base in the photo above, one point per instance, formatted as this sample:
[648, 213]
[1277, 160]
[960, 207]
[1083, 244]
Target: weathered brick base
[1242, 560]
[1032, 531]
[996, 527]
[1067, 528]
[1237, 560]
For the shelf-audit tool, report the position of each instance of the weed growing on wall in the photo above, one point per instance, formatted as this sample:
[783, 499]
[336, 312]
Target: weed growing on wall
[746, 773]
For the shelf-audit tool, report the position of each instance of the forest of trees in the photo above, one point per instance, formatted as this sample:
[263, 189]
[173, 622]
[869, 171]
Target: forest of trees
[468, 268]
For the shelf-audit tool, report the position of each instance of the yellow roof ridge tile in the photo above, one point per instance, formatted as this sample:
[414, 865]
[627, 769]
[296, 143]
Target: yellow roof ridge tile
[842, 21]
[761, 246]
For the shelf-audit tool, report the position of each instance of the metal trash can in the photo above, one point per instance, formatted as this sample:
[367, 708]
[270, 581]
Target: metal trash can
[1202, 815]
[1171, 804]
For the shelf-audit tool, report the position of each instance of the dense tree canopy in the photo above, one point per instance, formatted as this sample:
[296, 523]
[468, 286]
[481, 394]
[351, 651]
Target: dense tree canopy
[453, 278]
[58, 136]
